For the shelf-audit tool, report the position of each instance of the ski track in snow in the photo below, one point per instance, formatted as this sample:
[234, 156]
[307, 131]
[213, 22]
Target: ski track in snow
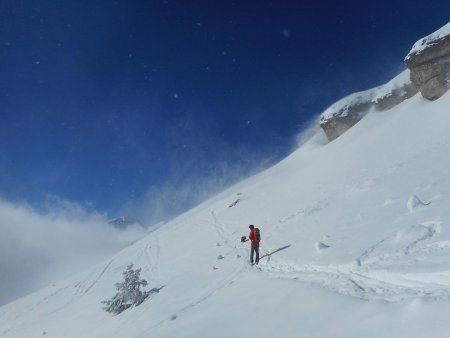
[224, 240]
[411, 237]
[351, 281]
[371, 277]
[368, 278]
[321, 204]
[224, 283]
[72, 290]
[151, 251]
[98, 277]
[228, 280]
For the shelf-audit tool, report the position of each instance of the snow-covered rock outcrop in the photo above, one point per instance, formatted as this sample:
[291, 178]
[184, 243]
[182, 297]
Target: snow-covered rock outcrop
[345, 113]
[394, 92]
[428, 71]
[429, 62]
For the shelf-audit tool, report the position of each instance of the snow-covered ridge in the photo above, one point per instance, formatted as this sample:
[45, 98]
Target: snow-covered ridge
[400, 82]
[429, 62]
[343, 106]
[428, 71]
[345, 113]
[374, 95]
[429, 40]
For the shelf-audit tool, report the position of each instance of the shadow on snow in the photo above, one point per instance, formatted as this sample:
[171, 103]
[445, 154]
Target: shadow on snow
[277, 250]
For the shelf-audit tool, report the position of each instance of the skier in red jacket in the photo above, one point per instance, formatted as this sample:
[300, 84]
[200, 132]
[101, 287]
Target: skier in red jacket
[254, 238]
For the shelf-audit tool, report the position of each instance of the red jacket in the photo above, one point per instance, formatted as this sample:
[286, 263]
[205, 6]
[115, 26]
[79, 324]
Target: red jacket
[251, 237]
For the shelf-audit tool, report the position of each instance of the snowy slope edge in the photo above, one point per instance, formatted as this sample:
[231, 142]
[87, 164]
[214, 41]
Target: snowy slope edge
[428, 71]
[345, 113]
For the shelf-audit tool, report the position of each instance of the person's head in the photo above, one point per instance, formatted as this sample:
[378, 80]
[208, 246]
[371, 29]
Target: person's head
[251, 226]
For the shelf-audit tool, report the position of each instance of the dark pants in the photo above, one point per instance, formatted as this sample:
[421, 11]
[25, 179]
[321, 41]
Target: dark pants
[255, 248]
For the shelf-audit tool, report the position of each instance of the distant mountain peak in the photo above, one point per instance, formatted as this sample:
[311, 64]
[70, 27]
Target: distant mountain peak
[123, 222]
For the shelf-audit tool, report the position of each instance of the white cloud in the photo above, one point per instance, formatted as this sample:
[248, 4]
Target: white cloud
[39, 248]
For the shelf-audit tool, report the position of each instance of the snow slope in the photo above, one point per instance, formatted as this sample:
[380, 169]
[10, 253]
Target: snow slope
[355, 243]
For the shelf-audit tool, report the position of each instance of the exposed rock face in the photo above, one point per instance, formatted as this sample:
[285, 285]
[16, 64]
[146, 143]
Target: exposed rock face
[335, 127]
[428, 71]
[429, 62]
[395, 97]
[345, 113]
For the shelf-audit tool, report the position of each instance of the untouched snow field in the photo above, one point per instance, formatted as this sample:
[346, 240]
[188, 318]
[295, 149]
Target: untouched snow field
[355, 243]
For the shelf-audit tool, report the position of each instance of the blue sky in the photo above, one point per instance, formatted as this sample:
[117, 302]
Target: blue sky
[149, 106]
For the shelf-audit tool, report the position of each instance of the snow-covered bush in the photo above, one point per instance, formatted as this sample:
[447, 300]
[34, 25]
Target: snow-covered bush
[128, 292]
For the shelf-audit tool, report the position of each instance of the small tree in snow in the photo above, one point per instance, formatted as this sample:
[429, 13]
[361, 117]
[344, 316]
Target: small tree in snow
[128, 292]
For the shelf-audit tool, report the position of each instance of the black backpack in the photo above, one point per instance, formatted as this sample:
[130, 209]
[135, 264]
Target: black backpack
[257, 234]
